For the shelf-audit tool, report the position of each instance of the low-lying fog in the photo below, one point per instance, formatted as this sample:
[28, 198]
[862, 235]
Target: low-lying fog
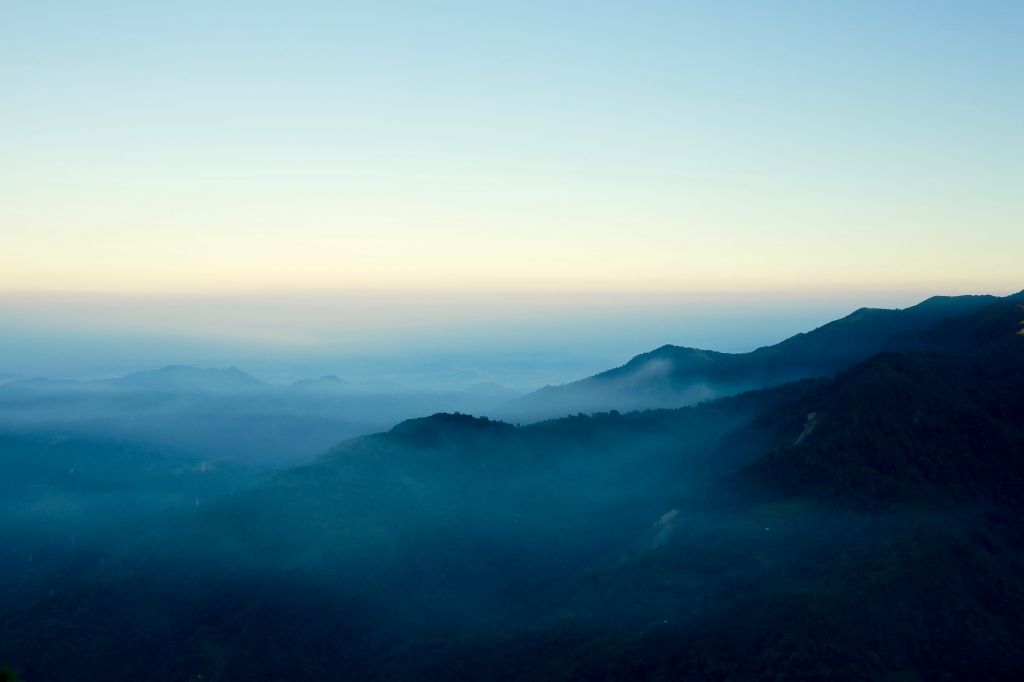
[299, 373]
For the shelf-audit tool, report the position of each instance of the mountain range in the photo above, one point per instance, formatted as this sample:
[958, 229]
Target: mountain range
[860, 521]
[674, 376]
[225, 413]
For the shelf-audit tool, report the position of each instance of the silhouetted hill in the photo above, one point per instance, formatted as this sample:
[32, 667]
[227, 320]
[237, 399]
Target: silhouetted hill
[937, 425]
[672, 376]
[990, 329]
[183, 377]
[325, 384]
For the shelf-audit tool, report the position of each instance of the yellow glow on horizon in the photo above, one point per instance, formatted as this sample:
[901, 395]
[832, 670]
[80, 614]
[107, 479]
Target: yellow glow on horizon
[158, 241]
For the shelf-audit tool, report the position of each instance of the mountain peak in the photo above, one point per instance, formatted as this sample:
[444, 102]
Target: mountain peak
[188, 377]
[326, 383]
[449, 428]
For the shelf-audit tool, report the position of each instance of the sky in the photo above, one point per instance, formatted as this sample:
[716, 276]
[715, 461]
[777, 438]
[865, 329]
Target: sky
[625, 153]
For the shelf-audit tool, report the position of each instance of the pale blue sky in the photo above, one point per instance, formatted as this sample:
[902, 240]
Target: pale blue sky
[220, 182]
[529, 146]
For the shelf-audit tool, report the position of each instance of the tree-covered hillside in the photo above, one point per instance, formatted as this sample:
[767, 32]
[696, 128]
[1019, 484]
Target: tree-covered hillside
[864, 526]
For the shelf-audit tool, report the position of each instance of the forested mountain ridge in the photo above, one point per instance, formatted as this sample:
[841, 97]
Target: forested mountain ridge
[672, 376]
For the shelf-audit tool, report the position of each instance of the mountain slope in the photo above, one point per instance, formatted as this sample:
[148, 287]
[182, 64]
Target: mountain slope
[880, 535]
[672, 376]
[864, 526]
[938, 425]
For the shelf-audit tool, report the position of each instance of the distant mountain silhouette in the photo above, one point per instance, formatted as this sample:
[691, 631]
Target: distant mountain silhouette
[325, 384]
[672, 376]
[217, 413]
[183, 377]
